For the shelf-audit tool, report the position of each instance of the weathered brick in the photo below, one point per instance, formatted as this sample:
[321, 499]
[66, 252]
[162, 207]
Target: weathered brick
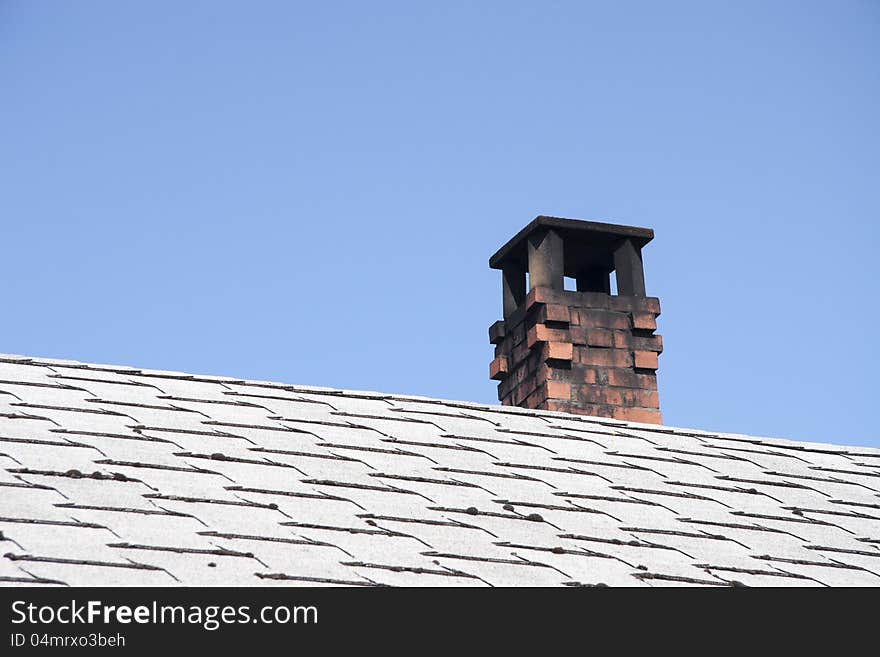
[604, 357]
[540, 333]
[587, 353]
[519, 354]
[558, 405]
[596, 410]
[498, 369]
[528, 386]
[622, 339]
[627, 378]
[585, 375]
[546, 371]
[554, 312]
[647, 343]
[646, 399]
[607, 319]
[644, 415]
[650, 305]
[635, 304]
[504, 388]
[537, 397]
[645, 360]
[644, 321]
[542, 295]
[496, 332]
[600, 395]
[598, 337]
[636, 397]
[530, 364]
[558, 390]
[558, 351]
[577, 335]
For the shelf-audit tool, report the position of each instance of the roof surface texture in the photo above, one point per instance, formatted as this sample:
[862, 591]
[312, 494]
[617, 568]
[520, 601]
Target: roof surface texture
[117, 476]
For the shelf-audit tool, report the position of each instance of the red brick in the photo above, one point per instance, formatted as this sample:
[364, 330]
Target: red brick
[529, 366]
[537, 397]
[592, 300]
[585, 375]
[622, 339]
[578, 335]
[651, 305]
[554, 312]
[604, 357]
[644, 321]
[627, 378]
[596, 410]
[600, 395]
[635, 397]
[496, 332]
[604, 319]
[580, 353]
[558, 390]
[648, 343]
[635, 304]
[498, 369]
[528, 386]
[626, 304]
[558, 405]
[645, 360]
[504, 389]
[645, 415]
[540, 333]
[558, 351]
[597, 337]
[519, 354]
[542, 295]
[546, 371]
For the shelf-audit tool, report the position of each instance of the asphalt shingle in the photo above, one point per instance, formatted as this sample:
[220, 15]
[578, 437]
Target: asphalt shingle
[118, 476]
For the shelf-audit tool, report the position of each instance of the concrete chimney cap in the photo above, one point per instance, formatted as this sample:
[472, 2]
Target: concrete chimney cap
[586, 243]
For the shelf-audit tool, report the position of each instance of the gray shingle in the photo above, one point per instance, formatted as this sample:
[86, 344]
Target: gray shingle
[117, 476]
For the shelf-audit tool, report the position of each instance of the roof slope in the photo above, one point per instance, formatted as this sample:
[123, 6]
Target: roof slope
[116, 476]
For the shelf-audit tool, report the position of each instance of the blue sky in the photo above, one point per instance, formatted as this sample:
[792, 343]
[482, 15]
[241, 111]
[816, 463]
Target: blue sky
[309, 192]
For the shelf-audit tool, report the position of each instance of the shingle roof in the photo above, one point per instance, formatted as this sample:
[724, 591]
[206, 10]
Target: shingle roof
[118, 476]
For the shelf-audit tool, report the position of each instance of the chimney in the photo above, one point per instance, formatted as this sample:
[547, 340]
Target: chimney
[585, 351]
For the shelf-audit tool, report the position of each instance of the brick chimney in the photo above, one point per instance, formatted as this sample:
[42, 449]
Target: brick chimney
[585, 351]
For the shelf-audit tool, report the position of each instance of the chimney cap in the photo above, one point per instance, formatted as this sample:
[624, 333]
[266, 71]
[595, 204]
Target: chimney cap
[585, 241]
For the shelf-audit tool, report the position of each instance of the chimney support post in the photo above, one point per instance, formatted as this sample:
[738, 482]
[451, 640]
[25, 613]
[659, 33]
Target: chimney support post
[629, 269]
[513, 287]
[546, 260]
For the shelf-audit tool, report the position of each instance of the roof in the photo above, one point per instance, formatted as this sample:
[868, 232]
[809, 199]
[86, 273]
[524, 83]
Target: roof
[118, 476]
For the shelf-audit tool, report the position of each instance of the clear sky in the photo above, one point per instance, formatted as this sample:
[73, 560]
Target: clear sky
[309, 192]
